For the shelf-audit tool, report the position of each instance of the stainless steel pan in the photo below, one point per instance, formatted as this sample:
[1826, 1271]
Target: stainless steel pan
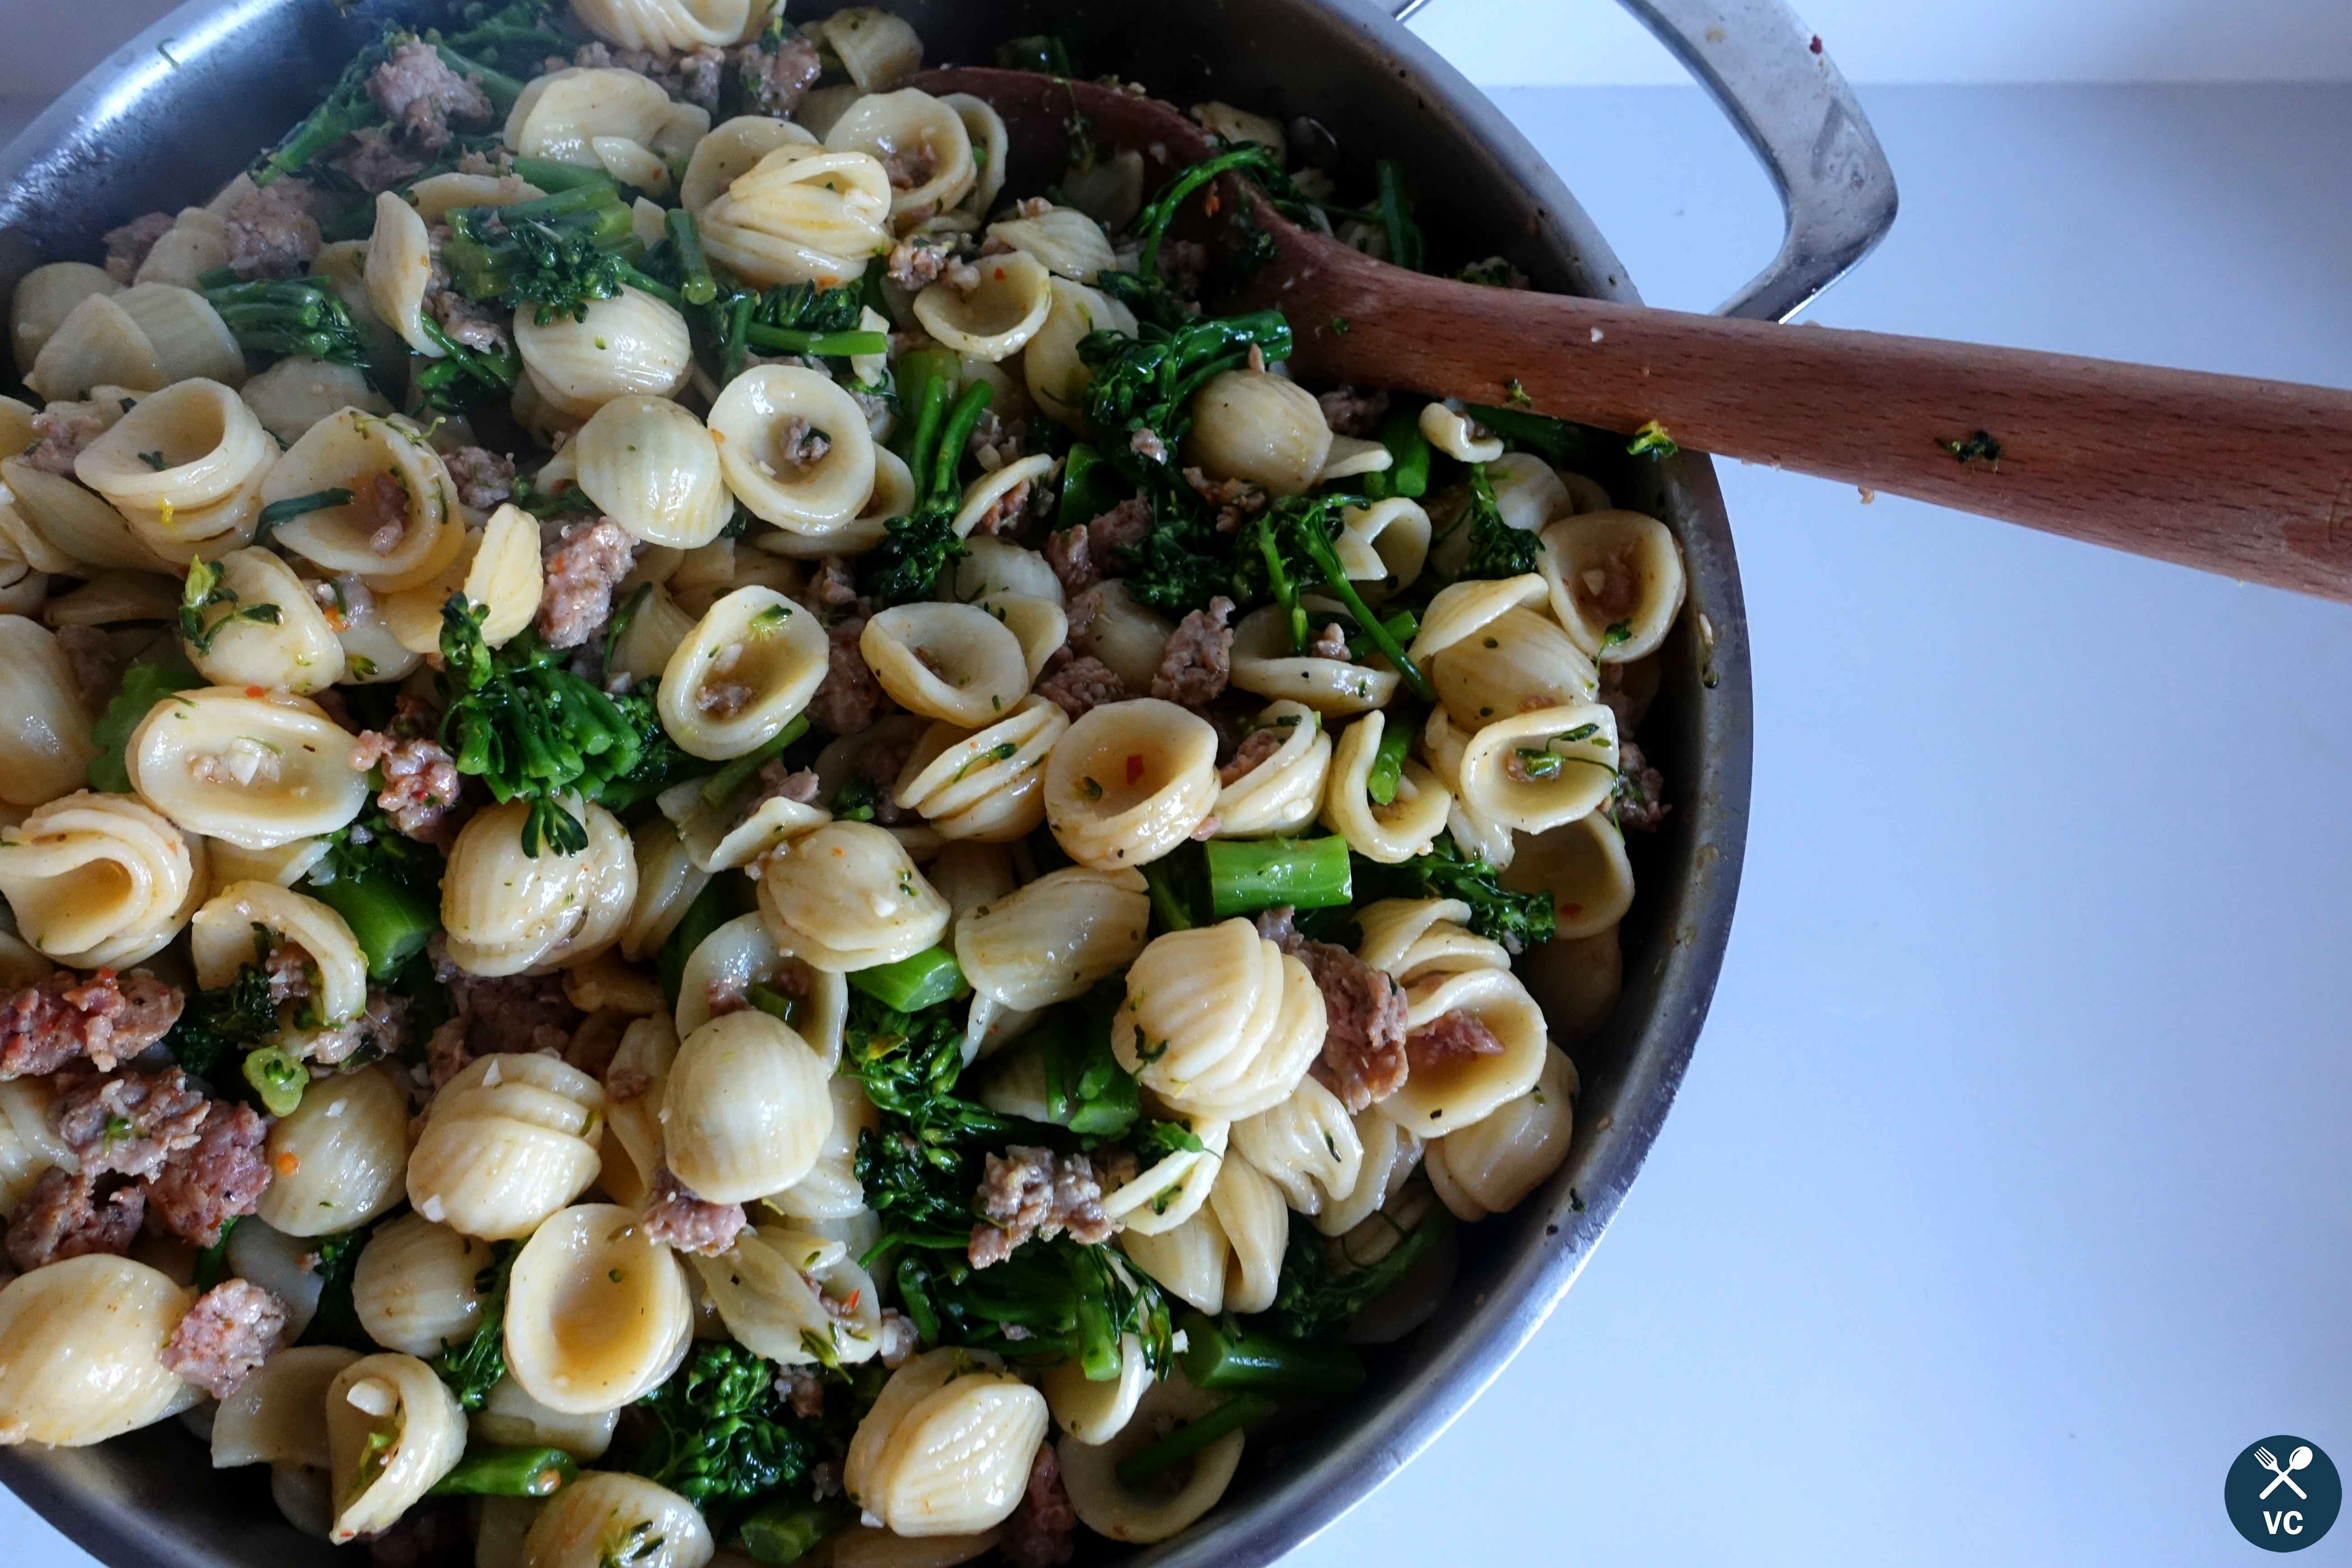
[176, 111]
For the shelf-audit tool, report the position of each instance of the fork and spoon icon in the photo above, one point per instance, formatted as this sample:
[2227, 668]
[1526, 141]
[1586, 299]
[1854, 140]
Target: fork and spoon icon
[2295, 1461]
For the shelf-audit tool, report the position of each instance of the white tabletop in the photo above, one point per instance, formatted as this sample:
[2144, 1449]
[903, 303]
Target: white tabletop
[2007, 1197]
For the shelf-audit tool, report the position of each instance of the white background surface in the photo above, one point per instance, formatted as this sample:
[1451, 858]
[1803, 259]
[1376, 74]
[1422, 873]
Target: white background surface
[2009, 1195]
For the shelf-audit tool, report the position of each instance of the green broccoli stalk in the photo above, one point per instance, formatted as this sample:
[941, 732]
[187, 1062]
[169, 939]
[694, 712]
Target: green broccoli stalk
[1314, 1300]
[515, 37]
[462, 376]
[290, 316]
[347, 108]
[1518, 921]
[222, 1025]
[1287, 553]
[918, 546]
[387, 887]
[1145, 383]
[722, 1437]
[556, 253]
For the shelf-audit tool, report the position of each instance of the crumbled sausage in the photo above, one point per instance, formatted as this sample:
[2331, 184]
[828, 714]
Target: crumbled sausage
[1198, 658]
[623, 1084]
[1148, 445]
[1331, 644]
[694, 76]
[485, 479]
[381, 501]
[505, 1015]
[910, 166]
[1183, 263]
[829, 588]
[849, 698]
[1364, 1057]
[674, 1215]
[225, 1337]
[1030, 1192]
[66, 430]
[1451, 1036]
[130, 1122]
[1279, 926]
[65, 1216]
[1007, 509]
[1070, 553]
[583, 565]
[1236, 500]
[775, 81]
[1081, 685]
[97, 667]
[126, 248]
[381, 1029]
[1038, 1533]
[418, 91]
[899, 1340]
[1255, 748]
[1119, 528]
[108, 1019]
[802, 1390]
[799, 444]
[271, 233]
[380, 160]
[221, 1174]
[777, 781]
[420, 779]
[1640, 786]
[1352, 411]
[995, 442]
[478, 326]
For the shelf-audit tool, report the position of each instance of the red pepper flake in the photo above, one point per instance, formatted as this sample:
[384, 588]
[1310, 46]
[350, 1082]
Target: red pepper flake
[999, 275]
[1210, 204]
[257, 691]
[1135, 767]
[1816, 45]
[851, 1305]
[1569, 911]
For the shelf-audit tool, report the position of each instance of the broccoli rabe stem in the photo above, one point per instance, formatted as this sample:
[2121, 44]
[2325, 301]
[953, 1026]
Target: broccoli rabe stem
[1388, 758]
[389, 918]
[294, 316]
[507, 1472]
[1319, 550]
[1190, 1438]
[721, 786]
[1246, 875]
[1407, 474]
[928, 392]
[970, 405]
[696, 286]
[1227, 1357]
[1397, 225]
[278, 1077]
[786, 1530]
[556, 178]
[924, 980]
[828, 346]
[734, 348]
[1153, 220]
[1169, 907]
[503, 89]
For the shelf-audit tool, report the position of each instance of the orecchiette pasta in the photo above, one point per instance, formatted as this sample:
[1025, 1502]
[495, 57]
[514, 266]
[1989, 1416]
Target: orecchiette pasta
[296, 650]
[946, 1448]
[1383, 546]
[1219, 1021]
[995, 319]
[393, 1429]
[746, 1108]
[512, 1418]
[339, 1156]
[1264, 664]
[1307, 1146]
[1583, 867]
[1070, 243]
[1402, 828]
[1188, 1259]
[1171, 1189]
[99, 881]
[1050, 366]
[831, 1191]
[794, 1297]
[1282, 790]
[1169, 1500]
[1489, 1167]
[1450, 431]
[222, 935]
[597, 1310]
[44, 297]
[213, 455]
[1616, 581]
[1127, 636]
[45, 744]
[401, 526]
[1094, 1411]
[1542, 768]
[414, 1287]
[1410, 938]
[848, 897]
[610, 1518]
[988, 783]
[629, 345]
[651, 466]
[506, 1143]
[558, 116]
[917, 133]
[800, 214]
[1450, 1091]
[669, 26]
[956, 663]
[279, 1415]
[81, 1343]
[1259, 427]
[508, 907]
[1130, 781]
[767, 422]
[256, 771]
[1249, 1209]
[1055, 938]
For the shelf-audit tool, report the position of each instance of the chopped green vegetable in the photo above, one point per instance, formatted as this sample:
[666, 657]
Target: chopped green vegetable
[279, 1077]
[1405, 248]
[924, 980]
[557, 253]
[1228, 1358]
[472, 1368]
[1410, 453]
[276, 317]
[788, 1530]
[1652, 440]
[1189, 1439]
[1518, 921]
[1497, 548]
[722, 1435]
[507, 1472]
[204, 591]
[222, 1023]
[1314, 1300]
[337, 1322]
[1982, 446]
[386, 886]
[1246, 875]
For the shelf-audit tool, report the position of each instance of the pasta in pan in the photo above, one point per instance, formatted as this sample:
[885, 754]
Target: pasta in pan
[757, 811]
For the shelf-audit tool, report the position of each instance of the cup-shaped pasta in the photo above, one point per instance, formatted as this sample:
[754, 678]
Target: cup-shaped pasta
[794, 1297]
[1460, 611]
[56, 525]
[951, 662]
[1410, 938]
[747, 670]
[1541, 768]
[800, 214]
[612, 1517]
[634, 1081]
[1392, 833]
[213, 453]
[1066, 241]
[1583, 867]
[395, 531]
[745, 1107]
[299, 391]
[97, 344]
[730, 151]
[1171, 1189]
[278, 1414]
[739, 955]
[339, 1156]
[1057, 377]
[1054, 937]
[653, 635]
[1188, 1260]
[668, 882]
[1616, 581]
[669, 26]
[597, 1311]
[1452, 431]
[399, 267]
[512, 1418]
[415, 1288]
[1577, 983]
[1219, 1022]
[557, 115]
[507, 910]
[848, 897]
[435, 197]
[919, 136]
[393, 1429]
[99, 881]
[1383, 546]
[1391, 1154]
[1282, 788]
[990, 567]
[651, 466]
[996, 319]
[1487, 1168]
[725, 838]
[188, 335]
[629, 345]
[256, 771]
[297, 649]
[21, 1164]
[831, 1191]
[284, 1266]
[1250, 1210]
[946, 1450]
[1264, 664]
[767, 420]
[221, 935]
[1170, 1499]
[1451, 1089]
[1257, 426]
[985, 784]
[506, 1143]
[1307, 1146]
[1528, 493]
[44, 297]
[45, 743]
[1520, 660]
[81, 1343]
[1130, 781]
[196, 242]
[992, 493]
[1128, 636]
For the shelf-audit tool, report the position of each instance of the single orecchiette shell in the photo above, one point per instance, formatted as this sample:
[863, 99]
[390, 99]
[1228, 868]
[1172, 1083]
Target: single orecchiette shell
[1264, 664]
[558, 114]
[878, 50]
[256, 771]
[951, 662]
[298, 391]
[794, 1297]
[1582, 865]
[196, 242]
[97, 344]
[1487, 1168]
[363, 454]
[214, 453]
[919, 133]
[995, 320]
[1520, 660]
[512, 1418]
[1219, 1021]
[81, 1342]
[1543, 768]
[946, 1450]
[399, 268]
[1449, 430]
[278, 1414]
[987, 783]
[745, 1107]
[44, 297]
[831, 1191]
[56, 525]
[298, 651]
[1383, 546]
[1446, 1096]
[1188, 1260]
[1391, 1153]
[739, 954]
[668, 882]
[339, 1156]
[1254, 426]
[720, 838]
[1616, 581]
[1095, 1412]
[800, 214]
[1527, 494]
[1171, 1189]
[1169, 1502]
[221, 935]
[1249, 1209]
[1391, 834]
[188, 335]
[635, 1081]
[747, 670]
[612, 1517]
[728, 151]
[651, 466]
[1070, 243]
[504, 577]
[1476, 835]
[1307, 1146]
[1410, 938]
[435, 197]
[598, 1313]
[1055, 938]
[99, 881]
[1284, 791]
[848, 897]
[414, 1288]
[393, 1429]
[1578, 981]
[1128, 636]
[45, 743]
[1130, 781]
[507, 911]
[631, 344]
[991, 566]
[764, 419]
[993, 490]
[669, 26]
[1460, 610]
[1057, 377]
[506, 1143]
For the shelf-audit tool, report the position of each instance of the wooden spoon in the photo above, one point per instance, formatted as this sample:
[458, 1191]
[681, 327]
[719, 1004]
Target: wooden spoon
[2248, 479]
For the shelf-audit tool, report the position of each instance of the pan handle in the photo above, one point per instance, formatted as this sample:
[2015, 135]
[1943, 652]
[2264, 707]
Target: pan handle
[1768, 70]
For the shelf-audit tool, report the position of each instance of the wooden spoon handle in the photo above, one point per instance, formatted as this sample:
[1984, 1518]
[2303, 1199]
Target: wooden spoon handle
[2248, 479]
